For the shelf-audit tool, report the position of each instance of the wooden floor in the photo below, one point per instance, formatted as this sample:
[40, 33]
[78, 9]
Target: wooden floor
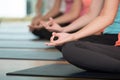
[14, 65]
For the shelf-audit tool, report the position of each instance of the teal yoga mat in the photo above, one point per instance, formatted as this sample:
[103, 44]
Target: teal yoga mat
[64, 71]
[48, 55]
[17, 36]
[24, 44]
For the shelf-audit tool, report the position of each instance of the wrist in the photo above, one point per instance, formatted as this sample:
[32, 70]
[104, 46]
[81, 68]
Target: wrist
[62, 29]
[45, 18]
[75, 37]
[65, 29]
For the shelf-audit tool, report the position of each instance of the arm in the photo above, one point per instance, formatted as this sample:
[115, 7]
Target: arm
[72, 14]
[38, 8]
[85, 19]
[36, 20]
[38, 15]
[106, 18]
[54, 11]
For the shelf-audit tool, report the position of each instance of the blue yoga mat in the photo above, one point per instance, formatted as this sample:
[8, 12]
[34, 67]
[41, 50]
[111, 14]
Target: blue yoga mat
[24, 44]
[48, 55]
[17, 36]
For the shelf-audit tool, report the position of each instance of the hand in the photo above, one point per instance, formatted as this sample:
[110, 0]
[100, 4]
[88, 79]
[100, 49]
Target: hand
[62, 39]
[33, 27]
[52, 26]
[35, 24]
[36, 20]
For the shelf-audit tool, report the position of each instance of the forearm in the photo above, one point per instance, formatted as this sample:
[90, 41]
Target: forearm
[38, 7]
[51, 13]
[66, 18]
[91, 14]
[54, 11]
[106, 18]
[95, 26]
[72, 14]
[38, 12]
[79, 23]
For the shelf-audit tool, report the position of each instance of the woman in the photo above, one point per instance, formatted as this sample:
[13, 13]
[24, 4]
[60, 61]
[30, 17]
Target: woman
[90, 13]
[88, 54]
[74, 9]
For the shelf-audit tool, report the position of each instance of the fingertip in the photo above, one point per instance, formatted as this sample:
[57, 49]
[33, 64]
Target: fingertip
[53, 33]
[50, 18]
[29, 25]
[46, 44]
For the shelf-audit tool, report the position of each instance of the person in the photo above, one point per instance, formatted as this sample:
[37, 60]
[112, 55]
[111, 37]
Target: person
[91, 13]
[42, 7]
[93, 52]
[72, 12]
[39, 11]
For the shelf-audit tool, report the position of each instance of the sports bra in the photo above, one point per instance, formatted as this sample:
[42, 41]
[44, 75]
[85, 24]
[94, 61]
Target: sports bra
[115, 27]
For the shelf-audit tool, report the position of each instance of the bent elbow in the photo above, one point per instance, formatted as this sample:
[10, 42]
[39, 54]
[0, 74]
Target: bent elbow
[108, 20]
[76, 16]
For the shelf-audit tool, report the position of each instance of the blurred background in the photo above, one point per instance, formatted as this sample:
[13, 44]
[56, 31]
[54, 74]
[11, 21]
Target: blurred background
[16, 16]
[13, 10]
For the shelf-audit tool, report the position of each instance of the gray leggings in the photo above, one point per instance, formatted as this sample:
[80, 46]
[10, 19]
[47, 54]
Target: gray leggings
[92, 56]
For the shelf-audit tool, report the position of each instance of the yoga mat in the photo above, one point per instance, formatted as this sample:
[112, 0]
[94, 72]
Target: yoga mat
[15, 31]
[31, 55]
[23, 44]
[17, 36]
[63, 70]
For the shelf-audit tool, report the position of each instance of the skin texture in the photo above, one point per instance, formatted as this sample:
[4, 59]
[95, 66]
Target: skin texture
[38, 8]
[81, 21]
[106, 18]
[65, 18]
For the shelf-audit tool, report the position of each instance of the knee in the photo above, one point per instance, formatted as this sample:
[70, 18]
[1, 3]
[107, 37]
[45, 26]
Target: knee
[70, 47]
[72, 50]
[67, 50]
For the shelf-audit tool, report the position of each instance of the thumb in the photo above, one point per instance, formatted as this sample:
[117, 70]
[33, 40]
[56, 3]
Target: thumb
[54, 33]
[56, 36]
[43, 23]
[52, 20]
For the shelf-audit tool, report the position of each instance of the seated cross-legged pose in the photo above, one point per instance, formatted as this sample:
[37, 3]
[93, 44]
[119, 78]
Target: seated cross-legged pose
[91, 13]
[74, 9]
[93, 54]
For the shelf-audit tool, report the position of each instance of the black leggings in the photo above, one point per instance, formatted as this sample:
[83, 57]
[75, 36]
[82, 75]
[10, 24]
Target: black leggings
[93, 56]
[108, 39]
